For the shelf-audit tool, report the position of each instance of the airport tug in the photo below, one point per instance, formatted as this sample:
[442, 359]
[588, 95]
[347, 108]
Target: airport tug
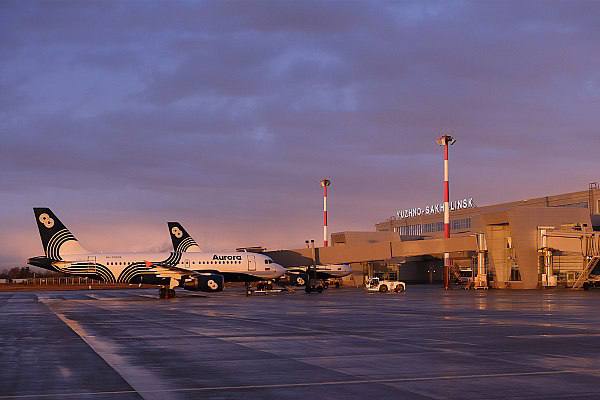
[383, 286]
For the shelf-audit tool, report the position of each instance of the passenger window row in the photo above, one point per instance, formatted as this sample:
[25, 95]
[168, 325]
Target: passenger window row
[183, 263]
[215, 262]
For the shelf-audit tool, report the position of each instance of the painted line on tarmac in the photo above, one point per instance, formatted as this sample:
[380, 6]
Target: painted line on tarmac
[555, 336]
[136, 377]
[299, 385]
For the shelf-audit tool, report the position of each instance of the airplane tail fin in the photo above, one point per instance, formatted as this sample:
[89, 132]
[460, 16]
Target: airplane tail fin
[182, 241]
[56, 238]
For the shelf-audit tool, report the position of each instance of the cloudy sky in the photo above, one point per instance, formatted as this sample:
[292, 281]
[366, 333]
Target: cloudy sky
[224, 115]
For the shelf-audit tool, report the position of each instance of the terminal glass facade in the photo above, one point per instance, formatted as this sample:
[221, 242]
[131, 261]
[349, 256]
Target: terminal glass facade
[420, 229]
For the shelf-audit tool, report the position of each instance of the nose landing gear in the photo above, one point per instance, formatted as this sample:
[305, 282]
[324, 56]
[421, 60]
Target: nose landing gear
[313, 283]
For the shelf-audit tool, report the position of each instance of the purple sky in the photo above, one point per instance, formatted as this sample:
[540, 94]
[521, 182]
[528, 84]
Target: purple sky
[225, 115]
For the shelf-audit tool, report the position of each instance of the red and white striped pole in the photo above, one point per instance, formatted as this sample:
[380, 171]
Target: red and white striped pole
[325, 183]
[446, 141]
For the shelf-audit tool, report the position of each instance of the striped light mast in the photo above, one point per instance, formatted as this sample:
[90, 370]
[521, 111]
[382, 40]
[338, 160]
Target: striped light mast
[446, 141]
[324, 184]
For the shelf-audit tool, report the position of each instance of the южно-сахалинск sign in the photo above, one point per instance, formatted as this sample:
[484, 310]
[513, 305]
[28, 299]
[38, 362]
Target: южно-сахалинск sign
[436, 208]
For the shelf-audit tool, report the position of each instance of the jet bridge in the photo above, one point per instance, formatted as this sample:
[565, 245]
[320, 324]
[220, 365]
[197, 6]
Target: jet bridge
[381, 251]
[373, 252]
[568, 257]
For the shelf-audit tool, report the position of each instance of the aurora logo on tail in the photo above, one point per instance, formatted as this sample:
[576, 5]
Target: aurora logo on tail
[182, 241]
[56, 238]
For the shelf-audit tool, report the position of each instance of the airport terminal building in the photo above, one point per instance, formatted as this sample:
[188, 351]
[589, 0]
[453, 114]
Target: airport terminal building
[467, 218]
[526, 244]
[511, 231]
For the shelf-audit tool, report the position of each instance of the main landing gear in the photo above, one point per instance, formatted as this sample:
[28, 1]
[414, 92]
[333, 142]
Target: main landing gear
[166, 293]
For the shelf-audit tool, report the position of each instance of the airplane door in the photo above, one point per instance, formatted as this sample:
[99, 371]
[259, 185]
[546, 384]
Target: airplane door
[251, 263]
[186, 264]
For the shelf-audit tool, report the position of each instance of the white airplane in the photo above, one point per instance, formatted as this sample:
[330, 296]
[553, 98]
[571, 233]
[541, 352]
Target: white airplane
[193, 271]
[327, 271]
[184, 243]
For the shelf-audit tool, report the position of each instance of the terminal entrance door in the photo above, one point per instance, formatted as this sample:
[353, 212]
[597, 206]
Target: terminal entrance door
[251, 263]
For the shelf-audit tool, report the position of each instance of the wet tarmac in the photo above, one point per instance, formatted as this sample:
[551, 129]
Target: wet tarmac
[343, 344]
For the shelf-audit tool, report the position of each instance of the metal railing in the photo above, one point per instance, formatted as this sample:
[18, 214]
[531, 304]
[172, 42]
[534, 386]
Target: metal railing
[585, 274]
[54, 281]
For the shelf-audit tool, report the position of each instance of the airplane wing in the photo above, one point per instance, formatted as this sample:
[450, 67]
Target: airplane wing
[169, 271]
[190, 280]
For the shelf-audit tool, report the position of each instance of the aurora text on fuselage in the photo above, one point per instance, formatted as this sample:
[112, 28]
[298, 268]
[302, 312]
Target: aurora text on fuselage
[216, 257]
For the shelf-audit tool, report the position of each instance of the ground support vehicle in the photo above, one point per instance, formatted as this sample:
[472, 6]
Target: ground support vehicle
[383, 286]
[593, 281]
[314, 285]
[261, 287]
[264, 291]
[313, 282]
[268, 287]
[335, 282]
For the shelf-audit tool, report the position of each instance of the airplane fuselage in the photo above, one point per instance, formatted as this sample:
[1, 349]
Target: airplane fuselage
[325, 271]
[145, 267]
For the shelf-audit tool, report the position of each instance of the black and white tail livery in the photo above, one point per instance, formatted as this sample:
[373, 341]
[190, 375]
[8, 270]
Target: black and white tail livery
[57, 240]
[186, 267]
[182, 241]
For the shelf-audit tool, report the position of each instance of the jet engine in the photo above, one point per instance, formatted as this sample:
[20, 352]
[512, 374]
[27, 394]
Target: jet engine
[298, 279]
[206, 282]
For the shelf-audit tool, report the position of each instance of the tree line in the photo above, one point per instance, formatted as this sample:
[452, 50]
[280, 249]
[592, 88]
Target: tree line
[25, 273]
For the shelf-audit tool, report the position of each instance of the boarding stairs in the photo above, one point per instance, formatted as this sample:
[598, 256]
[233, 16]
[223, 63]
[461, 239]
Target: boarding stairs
[585, 274]
[459, 279]
[455, 271]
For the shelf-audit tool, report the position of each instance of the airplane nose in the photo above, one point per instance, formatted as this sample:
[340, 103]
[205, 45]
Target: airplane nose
[280, 270]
